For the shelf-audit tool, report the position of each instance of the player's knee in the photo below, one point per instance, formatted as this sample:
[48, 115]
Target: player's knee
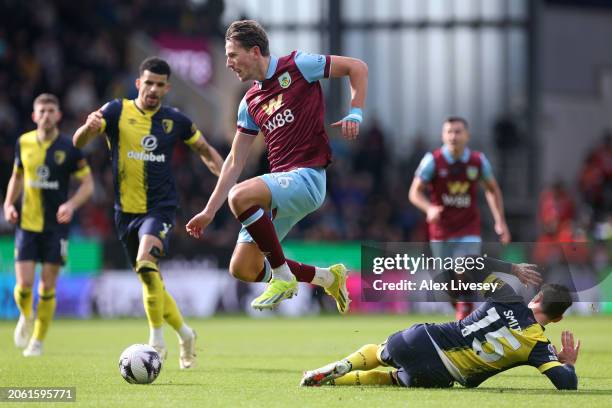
[27, 284]
[240, 199]
[241, 272]
[47, 285]
[236, 198]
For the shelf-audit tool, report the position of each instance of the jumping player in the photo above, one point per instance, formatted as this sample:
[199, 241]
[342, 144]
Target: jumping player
[286, 104]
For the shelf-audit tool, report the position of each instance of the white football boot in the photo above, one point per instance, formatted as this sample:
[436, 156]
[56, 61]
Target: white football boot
[23, 331]
[325, 374]
[187, 357]
[34, 349]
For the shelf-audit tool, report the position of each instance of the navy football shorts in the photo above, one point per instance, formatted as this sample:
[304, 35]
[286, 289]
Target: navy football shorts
[47, 247]
[413, 354]
[131, 228]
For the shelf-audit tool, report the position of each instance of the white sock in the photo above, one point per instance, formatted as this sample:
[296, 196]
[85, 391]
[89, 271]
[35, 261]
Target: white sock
[282, 272]
[323, 277]
[156, 336]
[185, 332]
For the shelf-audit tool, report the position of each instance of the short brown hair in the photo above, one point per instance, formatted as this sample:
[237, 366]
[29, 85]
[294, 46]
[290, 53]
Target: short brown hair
[248, 33]
[454, 119]
[46, 98]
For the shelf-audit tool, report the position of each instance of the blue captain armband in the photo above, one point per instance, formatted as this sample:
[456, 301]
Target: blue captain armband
[355, 115]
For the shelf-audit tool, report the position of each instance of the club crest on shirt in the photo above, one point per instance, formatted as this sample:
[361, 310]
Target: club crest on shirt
[472, 172]
[284, 80]
[167, 124]
[59, 156]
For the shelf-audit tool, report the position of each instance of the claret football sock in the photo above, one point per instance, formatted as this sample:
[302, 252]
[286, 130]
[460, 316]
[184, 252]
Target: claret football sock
[265, 274]
[303, 272]
[261, 229]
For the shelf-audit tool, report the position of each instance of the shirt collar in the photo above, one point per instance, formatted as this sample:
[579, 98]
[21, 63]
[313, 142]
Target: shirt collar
[449, 157]
[271, 68]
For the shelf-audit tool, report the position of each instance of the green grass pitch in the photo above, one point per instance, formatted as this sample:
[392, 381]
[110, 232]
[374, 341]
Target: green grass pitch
[258, 363]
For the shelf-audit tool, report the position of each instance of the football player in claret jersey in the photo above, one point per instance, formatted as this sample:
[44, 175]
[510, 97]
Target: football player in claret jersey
[285, 103]
[45, 161]
[452, 174]
[501, 334]
[141, 134]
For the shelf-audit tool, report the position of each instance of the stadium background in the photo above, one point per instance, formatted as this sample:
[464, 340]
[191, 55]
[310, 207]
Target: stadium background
[534, 78]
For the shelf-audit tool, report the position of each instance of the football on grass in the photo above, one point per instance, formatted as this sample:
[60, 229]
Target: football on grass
[140, 364]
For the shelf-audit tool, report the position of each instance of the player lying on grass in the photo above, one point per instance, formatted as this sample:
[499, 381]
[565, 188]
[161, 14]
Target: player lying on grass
[501, 334]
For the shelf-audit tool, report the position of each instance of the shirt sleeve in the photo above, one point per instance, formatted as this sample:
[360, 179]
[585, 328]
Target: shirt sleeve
[426, 168]
[487, 172]
[563, 377]
[110, 118]
[245, 123]
[543, 357]
[80, 168]
[189, 132]
[18, 163]
[313, 66]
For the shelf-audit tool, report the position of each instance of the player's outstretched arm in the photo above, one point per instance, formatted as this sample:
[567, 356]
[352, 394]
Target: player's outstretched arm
[209, 155]
[230, 171]
[91, 128]
[357, 71]
[13, 191]
[495, 200]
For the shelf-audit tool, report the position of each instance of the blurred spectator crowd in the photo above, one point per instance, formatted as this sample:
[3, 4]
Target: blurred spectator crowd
[58, 47]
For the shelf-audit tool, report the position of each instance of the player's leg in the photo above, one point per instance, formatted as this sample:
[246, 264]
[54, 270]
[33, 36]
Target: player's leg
[153, 245]
[352, 370]
[153, 293]
[291, 195]
[45, 309]
[248, 264]
[250, 202]
[27, 253]
[24, 271]
[460, 247]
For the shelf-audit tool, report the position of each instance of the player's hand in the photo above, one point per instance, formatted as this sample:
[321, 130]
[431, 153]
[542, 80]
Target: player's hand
[94, 121]
[569, 352]
[433, 213]
[350, 123]
[527, 273]
[503, 232]
[65, 213]
[196, 226]
[10, 214]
